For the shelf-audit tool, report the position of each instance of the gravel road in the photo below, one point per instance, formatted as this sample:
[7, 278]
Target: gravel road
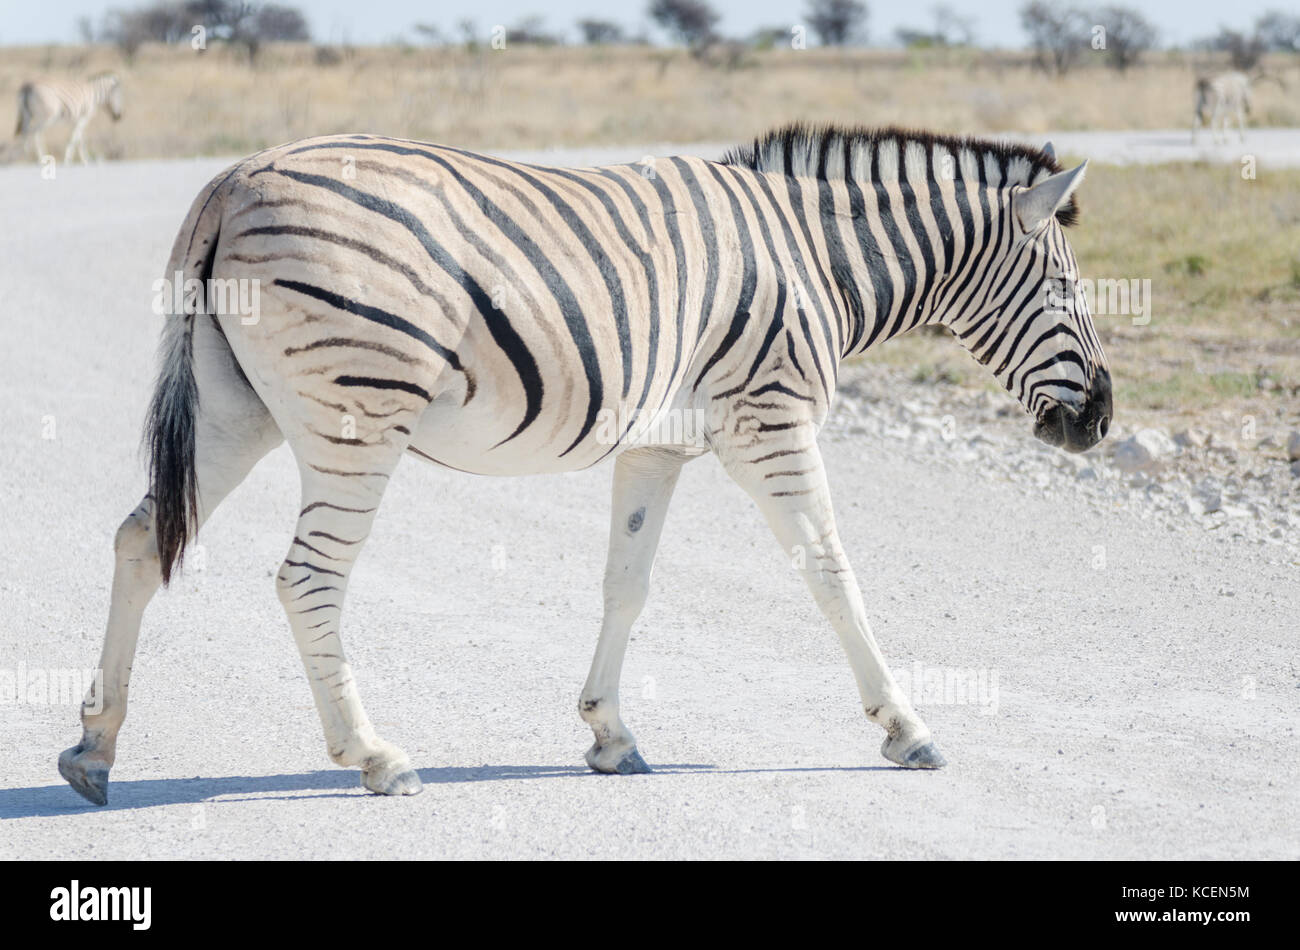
[1129, 675]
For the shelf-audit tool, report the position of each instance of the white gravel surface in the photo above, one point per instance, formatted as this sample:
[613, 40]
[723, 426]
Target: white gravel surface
[1139, 666]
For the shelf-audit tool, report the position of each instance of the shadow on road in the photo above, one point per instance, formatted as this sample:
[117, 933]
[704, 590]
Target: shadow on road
[54, 800]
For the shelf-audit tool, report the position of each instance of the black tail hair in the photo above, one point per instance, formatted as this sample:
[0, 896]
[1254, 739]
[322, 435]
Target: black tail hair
[22, 108]
[169, 435]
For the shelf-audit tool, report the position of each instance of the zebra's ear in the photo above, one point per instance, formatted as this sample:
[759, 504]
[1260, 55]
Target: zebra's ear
[1049, 151]
[1039, 202]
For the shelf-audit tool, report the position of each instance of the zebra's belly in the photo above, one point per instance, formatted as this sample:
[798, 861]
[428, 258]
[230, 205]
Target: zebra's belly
[483, 436]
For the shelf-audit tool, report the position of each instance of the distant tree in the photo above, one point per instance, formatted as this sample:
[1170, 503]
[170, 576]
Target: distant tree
[953, 28]
[600, 32]
[269, 23]
[531, 31]
[164, 21]
[770, 37]
[274, 23]
[1279, 31]
[1128, 36]
[86, 29]
[1244, 50]
[916, 39]
[234, 21]
[690, 21]
[469, 33]
[837, 22]
[1059, 35]
[950, 29]
[223, 19]
[429, 33]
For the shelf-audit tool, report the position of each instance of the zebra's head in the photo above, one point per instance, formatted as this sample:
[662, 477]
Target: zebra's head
[113, 96]
[1036, 332]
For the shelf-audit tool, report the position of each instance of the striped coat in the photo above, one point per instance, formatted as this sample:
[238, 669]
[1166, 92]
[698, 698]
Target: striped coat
[42, 105]
[501, 318]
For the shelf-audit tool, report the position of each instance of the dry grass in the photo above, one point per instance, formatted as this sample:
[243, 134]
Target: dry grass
[182, 103]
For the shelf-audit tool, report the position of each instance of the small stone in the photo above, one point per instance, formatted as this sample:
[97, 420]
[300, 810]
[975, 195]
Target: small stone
[1130, 456]
[1293, 447]
[1087, 474]
[1144, 451]
[1157, 443]
[1295, 469]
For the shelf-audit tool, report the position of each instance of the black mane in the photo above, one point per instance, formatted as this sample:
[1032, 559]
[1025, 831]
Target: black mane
[805, 150]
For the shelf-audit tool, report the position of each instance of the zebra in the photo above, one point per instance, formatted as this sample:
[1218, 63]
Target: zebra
[44, 104]
[1217, 96]
[502, 318]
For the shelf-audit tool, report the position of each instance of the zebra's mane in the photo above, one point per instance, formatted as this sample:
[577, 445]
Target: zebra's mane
[832, 152]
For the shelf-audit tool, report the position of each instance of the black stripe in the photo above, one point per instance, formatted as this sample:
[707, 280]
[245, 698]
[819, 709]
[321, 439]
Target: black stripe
[748, 280]
[374, 382]
[882, 283]
[595, 250]
[374, 314]
[498, 326]
[901, 253]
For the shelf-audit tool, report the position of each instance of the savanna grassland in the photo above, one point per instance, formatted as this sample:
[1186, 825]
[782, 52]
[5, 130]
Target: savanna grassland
[180, 102]
[1222, 252]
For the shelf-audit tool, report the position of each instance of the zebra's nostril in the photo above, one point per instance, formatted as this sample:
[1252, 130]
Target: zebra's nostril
[1103, 426]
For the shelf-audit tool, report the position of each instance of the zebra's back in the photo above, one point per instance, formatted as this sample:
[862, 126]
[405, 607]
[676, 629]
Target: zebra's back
[431, 273]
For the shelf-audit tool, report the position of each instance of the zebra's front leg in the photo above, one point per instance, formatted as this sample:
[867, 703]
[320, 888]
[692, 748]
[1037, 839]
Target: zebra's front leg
[643, 485]
[789, 486]
[338, 508]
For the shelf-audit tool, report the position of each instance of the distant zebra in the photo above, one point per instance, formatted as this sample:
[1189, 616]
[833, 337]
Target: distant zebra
[44, 104]
[506, 319]
[1218, 96]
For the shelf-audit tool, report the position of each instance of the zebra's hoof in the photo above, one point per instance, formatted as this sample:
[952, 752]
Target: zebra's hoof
[88, 779]
[615, 761]
[389, 781]
[919, 755]
[632, 764]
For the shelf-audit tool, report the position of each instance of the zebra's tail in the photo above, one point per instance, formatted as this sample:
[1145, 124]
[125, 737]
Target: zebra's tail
[24, 109]
[173, 411]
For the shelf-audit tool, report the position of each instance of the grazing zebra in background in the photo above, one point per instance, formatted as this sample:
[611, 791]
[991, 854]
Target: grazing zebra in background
[44, 104]
[506, 319]
[1218, 96]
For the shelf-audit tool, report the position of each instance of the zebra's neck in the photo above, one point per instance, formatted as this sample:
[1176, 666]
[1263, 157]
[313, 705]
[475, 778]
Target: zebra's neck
[100, 86]
[907, 219]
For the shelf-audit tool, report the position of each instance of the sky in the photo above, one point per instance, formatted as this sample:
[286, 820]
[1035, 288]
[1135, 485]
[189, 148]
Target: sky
[377, 21]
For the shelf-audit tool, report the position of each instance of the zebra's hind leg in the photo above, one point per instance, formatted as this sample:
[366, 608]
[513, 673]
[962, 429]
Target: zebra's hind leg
[341, 491]
[643, 485]
[789, 486]
[233, 430]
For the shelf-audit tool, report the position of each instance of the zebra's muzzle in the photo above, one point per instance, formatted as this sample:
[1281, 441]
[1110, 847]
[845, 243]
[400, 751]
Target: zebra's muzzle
[1078, 429]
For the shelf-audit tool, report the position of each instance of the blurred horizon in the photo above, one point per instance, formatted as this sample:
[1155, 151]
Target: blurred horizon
[995, 23]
